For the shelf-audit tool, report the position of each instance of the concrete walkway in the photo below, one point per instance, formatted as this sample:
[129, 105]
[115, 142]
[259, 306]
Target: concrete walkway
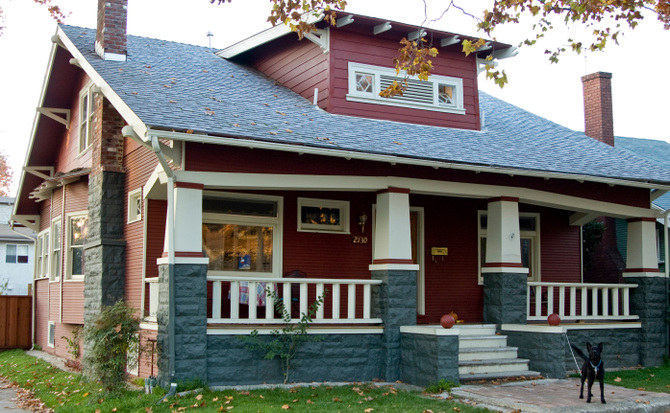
[8, 398]
[560, 396]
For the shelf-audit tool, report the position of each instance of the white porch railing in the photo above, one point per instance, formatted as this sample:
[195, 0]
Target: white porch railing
[574, 301]
[347, 301]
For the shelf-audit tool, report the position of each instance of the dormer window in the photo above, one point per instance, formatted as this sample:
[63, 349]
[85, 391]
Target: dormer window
[438, 93]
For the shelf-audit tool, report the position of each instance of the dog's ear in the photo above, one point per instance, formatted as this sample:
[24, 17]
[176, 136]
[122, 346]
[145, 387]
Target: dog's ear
[600, 348]
[588, 346]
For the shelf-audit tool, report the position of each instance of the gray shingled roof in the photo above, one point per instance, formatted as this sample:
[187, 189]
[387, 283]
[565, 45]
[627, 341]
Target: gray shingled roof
[183, 87]
[653, 150]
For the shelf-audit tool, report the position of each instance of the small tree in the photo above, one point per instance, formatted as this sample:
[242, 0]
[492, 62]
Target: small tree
[285, 343]
[109, 337]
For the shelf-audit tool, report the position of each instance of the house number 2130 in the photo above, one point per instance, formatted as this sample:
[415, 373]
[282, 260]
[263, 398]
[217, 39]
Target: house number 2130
[360, 240]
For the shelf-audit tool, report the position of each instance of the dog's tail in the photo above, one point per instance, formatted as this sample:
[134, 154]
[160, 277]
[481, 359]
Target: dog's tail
[579, 352]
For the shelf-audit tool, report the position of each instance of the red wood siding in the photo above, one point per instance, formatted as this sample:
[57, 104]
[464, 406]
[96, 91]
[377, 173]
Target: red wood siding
[73, 302]
[231, 159]
[41, 291]
[148, 340]
[299, 65]
[139, 162]
[68, 154]
[560, 254]
[351, 46]
[156, 215]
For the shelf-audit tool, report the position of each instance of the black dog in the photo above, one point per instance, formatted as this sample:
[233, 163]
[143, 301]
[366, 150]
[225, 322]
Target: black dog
[593, 369]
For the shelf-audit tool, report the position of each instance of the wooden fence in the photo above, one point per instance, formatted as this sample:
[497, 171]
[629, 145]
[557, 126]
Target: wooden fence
[15, 321]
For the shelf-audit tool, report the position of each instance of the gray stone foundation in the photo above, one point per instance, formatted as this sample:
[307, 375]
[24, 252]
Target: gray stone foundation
[650, 302]
[428, 358]
[339, 357]
[394, 301]
[505, 298]
[548, 351]
[187, 360]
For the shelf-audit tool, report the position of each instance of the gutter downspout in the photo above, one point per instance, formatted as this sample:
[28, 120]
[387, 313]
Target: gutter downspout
[170, 234]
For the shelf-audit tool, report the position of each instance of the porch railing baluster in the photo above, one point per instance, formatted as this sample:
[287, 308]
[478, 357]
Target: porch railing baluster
[319, 292]
[216, 299]
[336, 300]
[601, 307]
[351, 298]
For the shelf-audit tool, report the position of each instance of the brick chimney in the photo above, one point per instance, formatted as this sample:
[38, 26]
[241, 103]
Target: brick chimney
[110, 36]
[598, 119]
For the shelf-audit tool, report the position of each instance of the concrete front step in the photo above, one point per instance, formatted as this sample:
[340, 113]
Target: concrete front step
[475, 329]
[492, 366]
[487, 353]
[468, 342]
[527, 374]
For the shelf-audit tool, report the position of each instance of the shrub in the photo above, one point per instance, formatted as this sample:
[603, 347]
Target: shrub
[285, 343]
[109, 337]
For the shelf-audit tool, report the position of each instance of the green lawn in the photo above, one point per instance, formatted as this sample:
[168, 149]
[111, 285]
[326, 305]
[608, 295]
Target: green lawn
[655, 379]
[68, 392]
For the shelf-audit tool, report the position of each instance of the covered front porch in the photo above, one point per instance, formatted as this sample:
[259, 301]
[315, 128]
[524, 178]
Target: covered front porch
[419, 244]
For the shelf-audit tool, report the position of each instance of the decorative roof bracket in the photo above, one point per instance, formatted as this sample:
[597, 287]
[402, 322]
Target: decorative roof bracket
[321, 38]
[417, 34]
[59, 115]
[381, 28]
[448, 41]
[343, 21]
[482, 62]
[35, 170]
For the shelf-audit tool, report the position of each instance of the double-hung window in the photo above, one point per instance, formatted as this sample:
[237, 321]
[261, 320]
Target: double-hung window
[16, 254]
[56, 254]
[135, 205]
[438, 93]
[42, 248]
[241, 234]
[76, 239]
[86, 111]
[529, 225]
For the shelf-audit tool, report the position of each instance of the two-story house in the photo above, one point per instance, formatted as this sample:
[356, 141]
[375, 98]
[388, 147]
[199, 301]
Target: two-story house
[188, 181]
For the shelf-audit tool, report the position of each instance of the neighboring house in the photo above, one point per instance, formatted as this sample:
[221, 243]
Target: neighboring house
[187, 181]
[16, 252]
[659, 152]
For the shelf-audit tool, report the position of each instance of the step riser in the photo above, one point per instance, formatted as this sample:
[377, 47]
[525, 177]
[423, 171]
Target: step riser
[488, 355]
[464, 371]
[480, 331]
[483, 342]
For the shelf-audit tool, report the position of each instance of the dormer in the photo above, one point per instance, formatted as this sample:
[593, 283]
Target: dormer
[342, 69]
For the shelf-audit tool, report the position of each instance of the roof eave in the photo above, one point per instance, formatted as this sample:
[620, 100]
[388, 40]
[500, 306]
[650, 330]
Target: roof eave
[247, 142]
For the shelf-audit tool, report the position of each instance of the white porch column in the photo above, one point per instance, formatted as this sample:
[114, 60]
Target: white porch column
[503, 237]
[187, 222]
[393, 241]
[642, 257]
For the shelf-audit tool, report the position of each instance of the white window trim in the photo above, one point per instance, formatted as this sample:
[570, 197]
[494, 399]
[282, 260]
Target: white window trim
[51, 325]
[86, 113]
[343, 206]
[42, 257]
[69, 277]
[133, 196]
[275, 222]
[355, 96]
[53, 270]
[533, 235]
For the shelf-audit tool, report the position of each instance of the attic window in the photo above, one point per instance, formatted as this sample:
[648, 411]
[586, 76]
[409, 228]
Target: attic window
[438, 93]
[86, 112]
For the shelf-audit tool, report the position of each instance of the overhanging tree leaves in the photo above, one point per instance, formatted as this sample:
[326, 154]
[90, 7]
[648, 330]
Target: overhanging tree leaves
[606, 18]
[5, 175]
[55, 12]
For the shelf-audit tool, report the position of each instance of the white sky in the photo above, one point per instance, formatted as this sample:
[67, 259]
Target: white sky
[553, 91]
